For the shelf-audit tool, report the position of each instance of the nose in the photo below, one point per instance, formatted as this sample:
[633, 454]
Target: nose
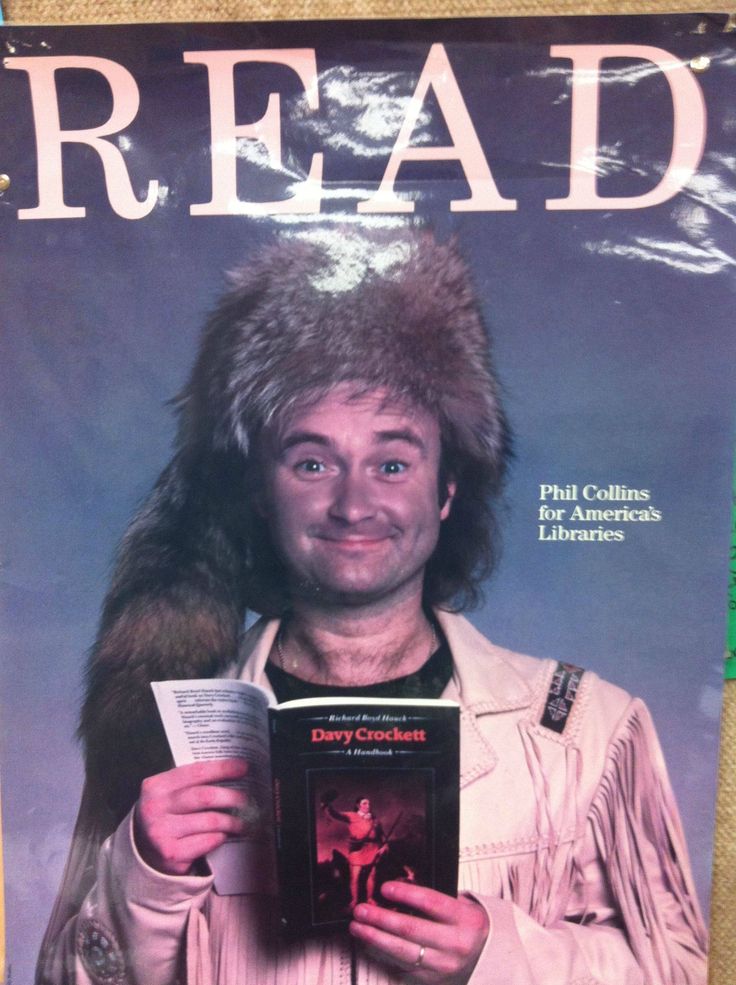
[353, 499]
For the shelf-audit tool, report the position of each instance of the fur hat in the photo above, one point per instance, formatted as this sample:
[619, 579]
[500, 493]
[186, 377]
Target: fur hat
[385, 309]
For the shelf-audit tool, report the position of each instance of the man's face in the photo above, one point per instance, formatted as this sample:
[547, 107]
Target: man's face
[364, 806]
[352, 497]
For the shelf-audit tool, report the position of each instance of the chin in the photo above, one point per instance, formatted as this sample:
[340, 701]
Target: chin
[347, 593]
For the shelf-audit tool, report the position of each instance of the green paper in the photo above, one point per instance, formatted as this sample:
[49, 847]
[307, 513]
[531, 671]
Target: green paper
[730, 668]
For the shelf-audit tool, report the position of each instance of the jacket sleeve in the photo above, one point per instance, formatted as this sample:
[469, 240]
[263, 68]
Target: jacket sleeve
[117, 921]
[632, 914]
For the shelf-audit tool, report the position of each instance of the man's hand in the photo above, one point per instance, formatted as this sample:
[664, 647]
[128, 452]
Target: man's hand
[448, 936]
[183, 814]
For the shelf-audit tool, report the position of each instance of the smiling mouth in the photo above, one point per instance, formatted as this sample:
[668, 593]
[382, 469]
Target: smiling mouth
[364, 540]
[355, 542]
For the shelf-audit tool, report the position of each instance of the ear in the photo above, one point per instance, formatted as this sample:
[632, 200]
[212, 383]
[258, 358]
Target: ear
[447, 505]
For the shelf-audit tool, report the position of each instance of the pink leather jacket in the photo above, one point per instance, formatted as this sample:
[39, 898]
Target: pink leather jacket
[572, 842]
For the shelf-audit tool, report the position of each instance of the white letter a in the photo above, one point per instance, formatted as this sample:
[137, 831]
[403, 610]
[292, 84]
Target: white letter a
[465, 147]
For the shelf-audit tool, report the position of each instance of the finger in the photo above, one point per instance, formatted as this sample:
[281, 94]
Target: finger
[154, 814]
[171, 844]
[404, 954]
[197, 846]
[166, 840]
[207, 798]
[194, 774]
[181, 826]
[433, 904]
[178, 856]
[409, 928]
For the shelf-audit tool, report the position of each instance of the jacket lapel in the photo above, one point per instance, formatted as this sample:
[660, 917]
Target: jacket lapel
[484, 682]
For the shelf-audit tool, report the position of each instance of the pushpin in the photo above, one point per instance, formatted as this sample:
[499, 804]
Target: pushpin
[701, 63]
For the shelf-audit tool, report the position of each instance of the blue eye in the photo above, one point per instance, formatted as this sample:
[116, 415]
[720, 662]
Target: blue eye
[393, 468]
[311, 466]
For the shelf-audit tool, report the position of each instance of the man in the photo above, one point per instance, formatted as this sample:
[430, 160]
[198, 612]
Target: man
[366, 846]
[340, 444]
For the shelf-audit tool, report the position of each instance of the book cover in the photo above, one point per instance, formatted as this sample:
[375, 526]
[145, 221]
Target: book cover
[363, 792]
[584, 167]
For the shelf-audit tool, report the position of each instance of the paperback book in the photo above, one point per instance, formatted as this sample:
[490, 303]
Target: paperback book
[349, 793]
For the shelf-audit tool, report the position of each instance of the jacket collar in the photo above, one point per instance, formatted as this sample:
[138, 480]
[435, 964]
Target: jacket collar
[484, 681]
[254, 652]
[484, 677]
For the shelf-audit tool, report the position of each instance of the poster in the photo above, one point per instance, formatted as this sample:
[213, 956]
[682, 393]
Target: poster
[585, 166]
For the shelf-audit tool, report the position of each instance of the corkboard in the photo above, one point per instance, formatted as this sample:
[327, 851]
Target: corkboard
[723, 908]
[723, 954]
[117, 11]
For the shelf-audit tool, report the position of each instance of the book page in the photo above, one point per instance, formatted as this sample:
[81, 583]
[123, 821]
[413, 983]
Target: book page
[220, 719]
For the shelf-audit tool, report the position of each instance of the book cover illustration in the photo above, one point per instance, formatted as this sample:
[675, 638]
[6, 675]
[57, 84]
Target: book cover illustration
[584, 167]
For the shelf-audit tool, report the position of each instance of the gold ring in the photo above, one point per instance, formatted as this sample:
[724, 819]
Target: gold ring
[420, 957]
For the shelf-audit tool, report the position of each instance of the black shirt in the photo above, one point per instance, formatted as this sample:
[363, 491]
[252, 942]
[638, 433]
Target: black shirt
[427, 682]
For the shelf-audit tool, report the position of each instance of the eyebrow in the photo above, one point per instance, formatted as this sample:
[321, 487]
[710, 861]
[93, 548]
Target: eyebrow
[381, 437]
[402, 434]
[302, 438]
